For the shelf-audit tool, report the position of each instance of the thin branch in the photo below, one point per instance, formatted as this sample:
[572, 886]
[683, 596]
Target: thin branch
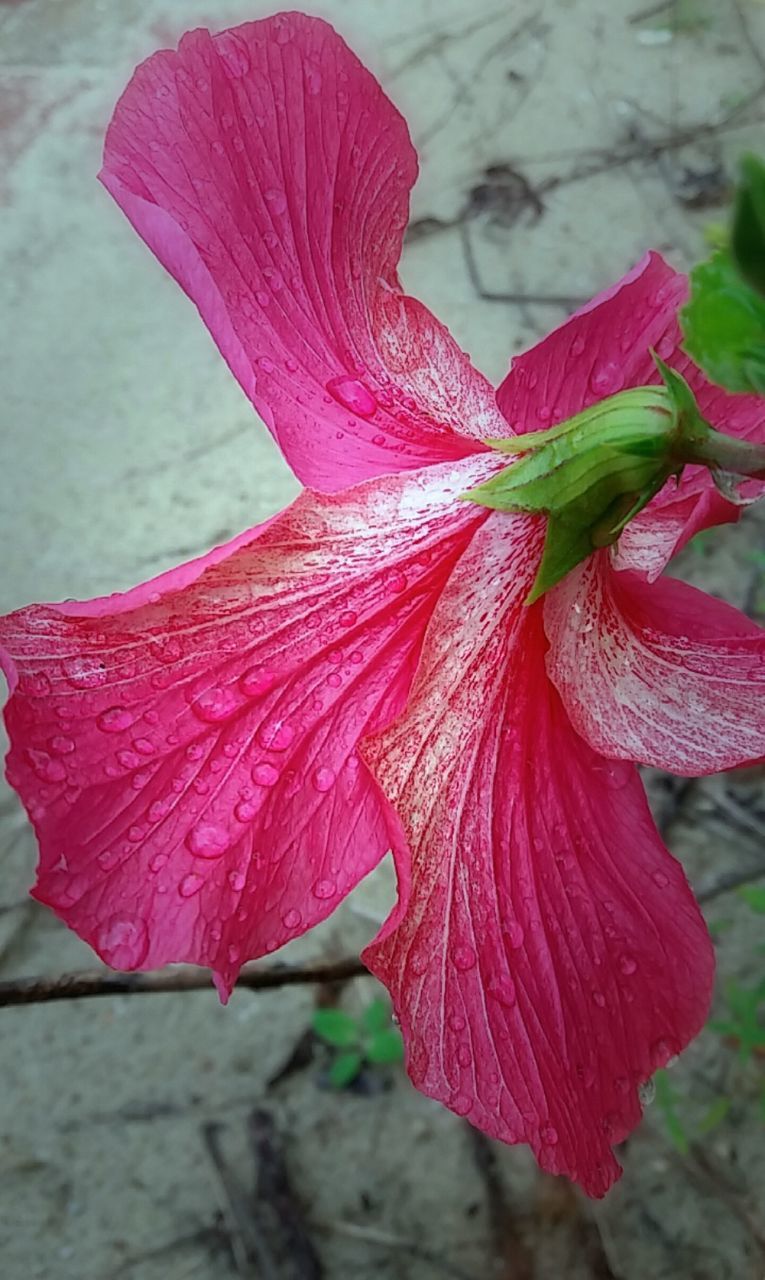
[253, 977]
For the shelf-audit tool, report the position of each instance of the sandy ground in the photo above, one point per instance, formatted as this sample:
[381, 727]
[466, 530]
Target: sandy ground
[125, 447]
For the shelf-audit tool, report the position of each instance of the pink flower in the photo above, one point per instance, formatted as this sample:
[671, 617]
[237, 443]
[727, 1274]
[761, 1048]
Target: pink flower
[214, 759]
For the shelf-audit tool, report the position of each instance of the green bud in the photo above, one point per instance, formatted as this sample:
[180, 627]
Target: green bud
[592, 474]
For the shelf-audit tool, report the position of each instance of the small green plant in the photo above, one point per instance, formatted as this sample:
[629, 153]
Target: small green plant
[371, 1039]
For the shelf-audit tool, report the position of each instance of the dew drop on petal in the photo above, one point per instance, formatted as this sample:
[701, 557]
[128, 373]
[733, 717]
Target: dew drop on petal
[514, 934]
[158, 862]
[123, 942]
[395, 581]
[627, 965]
[61, 745]
[291, 919]
[276, 735]
[265, 775]
[275, 199]
[207, 840]
[256, 682]
[577, 347]
[237, 880]
[353, 395]
[324, 779]
[598, 999]
[324, 889]
[190, 885]
[464, 957]
[503, 991]
[47, 769]
[457, 1022]
[606, 379]
[461, 1104]
[464, 1056]
[245, 811]
[85, 673]
[216, 704]
[348, 618]
[549, 1135]
[115, 720]
[660, 879]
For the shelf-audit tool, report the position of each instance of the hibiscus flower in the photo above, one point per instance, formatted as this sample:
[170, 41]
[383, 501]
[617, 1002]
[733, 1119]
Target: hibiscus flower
[213, 760]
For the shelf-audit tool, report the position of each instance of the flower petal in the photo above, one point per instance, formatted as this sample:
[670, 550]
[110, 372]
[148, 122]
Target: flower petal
[546, 955]
[603, 348]
[663, 674]
[269, 173]
[186, 751]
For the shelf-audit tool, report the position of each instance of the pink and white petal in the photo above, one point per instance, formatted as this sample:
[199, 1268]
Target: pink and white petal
[663, 674]
[546, 955]
[270, 175]
[187, 751]
[601, 349]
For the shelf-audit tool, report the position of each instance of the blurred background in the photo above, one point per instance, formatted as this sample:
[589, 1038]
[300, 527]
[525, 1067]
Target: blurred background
[162, 1136]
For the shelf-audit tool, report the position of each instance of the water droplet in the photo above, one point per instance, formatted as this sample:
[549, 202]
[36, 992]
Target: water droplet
[276, 200]
[461, 1104]
[62, 746]
[256, 682]
[233, 953]
[312, 79]
[324, 779]
[627, 965]
[464, 1056]
[128, 759]
[503, 991]
[599, 999]
[324, 889]
[514, 934]
[85, 673]
[265, 775]
[660, 879]
[348, 618]
[216, 704]
[577, 347]
[353, 395]
[145, 746]
[334, 680]
[291, 919]
[395, 581]
[464, 957]
[47, 769]
[107, 859]
[457, 1022]
[190, 885]
[245, 811]
[606, 379]
[276, 735]
[549, 1135]
[237, 880]
[208, 840]
[123, 942]
[378, 440]
[158, 862]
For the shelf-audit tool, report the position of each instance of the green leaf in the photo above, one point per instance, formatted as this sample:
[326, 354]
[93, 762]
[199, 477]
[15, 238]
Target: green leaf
[724, 325]
[754, 896]
[385, 1046]
[748, 234]
[344, 1070]
[666, 1099]
[714, 1116]
[336, 1027]
[376, 1016]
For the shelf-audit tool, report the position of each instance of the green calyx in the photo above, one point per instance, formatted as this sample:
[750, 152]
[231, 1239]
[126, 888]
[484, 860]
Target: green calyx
[592, 474]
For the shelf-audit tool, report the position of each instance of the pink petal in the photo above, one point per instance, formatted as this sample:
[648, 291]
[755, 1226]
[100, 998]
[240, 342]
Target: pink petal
[546, 955]
[604, 348]
[664, 674]
[270, 175]
[600, 350]
[186, 751]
